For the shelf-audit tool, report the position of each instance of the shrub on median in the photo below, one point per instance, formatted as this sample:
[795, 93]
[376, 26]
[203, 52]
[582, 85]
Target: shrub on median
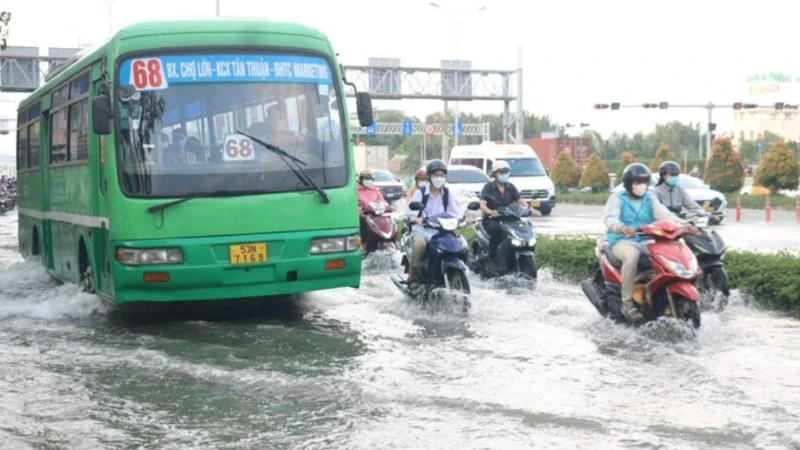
[725, 169]
[778, 169]
[566, 172]
[595, 174]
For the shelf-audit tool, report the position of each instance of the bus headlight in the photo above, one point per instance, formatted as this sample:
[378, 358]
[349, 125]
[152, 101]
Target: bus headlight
[145, 256]
[335, 244]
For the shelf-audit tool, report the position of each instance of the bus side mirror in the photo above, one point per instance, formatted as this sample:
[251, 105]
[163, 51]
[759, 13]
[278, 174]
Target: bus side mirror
[101, 115]
[364, 108]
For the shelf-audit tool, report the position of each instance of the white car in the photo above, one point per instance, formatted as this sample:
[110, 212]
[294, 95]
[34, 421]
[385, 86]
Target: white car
[713, 202]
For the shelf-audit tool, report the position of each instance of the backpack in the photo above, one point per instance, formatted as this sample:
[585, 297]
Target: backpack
[426, 194]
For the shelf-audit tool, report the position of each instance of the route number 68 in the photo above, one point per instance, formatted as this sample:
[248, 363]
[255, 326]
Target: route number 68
[237, 147]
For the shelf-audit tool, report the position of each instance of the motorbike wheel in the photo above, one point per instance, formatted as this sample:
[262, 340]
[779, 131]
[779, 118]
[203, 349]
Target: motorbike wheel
[457, 280]
[475, 257]
[691, 311]
[527, 267]
[717, 278]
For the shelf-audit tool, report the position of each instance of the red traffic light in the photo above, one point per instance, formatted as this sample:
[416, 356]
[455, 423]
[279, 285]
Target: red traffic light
[601, 106]
[737, 105]
[649, 105]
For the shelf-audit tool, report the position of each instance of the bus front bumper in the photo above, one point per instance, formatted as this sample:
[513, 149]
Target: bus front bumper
[207, 272]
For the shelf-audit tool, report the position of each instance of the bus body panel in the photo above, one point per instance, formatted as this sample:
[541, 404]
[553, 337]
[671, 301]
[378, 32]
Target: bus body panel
[82, 202]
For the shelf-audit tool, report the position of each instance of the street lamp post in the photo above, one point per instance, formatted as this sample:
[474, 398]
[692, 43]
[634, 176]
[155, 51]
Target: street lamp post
[458, 51]
[109, 3]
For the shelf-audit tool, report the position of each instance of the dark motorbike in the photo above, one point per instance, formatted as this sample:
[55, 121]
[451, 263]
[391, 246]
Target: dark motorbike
[665, 281]
[381, 227]
[444, 263]
[516, 250]
[709, 249]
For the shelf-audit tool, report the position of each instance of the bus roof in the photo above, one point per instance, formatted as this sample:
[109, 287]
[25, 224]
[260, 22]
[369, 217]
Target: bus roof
[167, 27]
[492, 150]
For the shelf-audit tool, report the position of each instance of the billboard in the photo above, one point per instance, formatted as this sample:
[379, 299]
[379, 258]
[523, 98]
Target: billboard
[384, 81]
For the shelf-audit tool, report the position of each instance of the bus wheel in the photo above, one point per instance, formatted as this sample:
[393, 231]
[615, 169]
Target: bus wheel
[87, 282]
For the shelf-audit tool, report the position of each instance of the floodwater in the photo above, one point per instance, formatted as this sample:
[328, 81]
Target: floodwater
[365, 369]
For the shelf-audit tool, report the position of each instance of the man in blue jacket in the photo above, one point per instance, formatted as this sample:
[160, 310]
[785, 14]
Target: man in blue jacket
[625, 212]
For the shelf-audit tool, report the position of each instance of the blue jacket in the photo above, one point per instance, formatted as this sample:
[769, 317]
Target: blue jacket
[620, 211]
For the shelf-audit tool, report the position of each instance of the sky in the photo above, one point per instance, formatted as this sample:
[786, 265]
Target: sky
[575, 52]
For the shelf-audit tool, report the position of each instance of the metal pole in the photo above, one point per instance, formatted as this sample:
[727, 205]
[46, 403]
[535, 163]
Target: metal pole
[520, 113]
[708, 136]
[217, 2]
[456, 81]
[445, 140]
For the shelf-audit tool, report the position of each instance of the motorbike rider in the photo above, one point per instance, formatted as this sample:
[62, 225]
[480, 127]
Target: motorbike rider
[669, 191]
[436, 199]
[420, 180]
[367, 193]
[625, 212]
[495, 195]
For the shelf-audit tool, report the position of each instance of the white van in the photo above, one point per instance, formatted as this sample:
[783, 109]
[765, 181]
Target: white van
[527, 172]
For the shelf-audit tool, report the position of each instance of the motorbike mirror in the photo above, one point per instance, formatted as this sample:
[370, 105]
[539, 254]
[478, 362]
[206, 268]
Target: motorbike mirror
[472, 206]
[415, 206]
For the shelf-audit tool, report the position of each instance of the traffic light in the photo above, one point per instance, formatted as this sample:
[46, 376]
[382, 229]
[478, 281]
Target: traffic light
[615, 106]
[779, 105]
[569, 125]
[787, 106]
[649, 105]
[663, 105]
[601, 106]
[737, 105]
[749, 106]
[584, 125]
[712, 126]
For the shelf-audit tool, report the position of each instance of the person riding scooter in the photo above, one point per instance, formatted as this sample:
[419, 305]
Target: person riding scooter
[435, 199]
[498, 194]
[625, 212]
[367, 193]
[670, 193]
[420, 181]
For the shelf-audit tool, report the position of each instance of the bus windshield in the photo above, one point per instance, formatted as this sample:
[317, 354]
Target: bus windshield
[180, 132]
[525, 167]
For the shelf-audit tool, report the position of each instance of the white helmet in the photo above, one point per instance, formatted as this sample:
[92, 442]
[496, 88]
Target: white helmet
[500, 165]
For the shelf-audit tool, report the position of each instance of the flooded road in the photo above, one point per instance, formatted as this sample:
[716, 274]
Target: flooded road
[365, 369]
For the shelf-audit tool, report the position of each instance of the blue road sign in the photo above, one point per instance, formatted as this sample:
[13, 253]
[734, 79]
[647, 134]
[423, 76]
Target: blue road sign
[457, 128]
[371, 129]
[759, 144]
[408, 127]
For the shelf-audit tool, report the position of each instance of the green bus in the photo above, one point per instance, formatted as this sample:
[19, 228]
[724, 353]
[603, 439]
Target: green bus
[193, 160]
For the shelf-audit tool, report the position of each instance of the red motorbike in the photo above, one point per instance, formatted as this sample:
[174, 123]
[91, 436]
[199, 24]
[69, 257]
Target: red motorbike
[381, 227]
[666, 284]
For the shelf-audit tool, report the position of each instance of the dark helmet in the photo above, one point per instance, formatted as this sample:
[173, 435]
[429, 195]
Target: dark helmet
[420, 175]
[668, 168]
[636, 172]
[433, 166]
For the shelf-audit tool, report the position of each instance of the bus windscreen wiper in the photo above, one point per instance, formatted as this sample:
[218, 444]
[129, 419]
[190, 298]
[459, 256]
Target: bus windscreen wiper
[186, 198]
[298, 171]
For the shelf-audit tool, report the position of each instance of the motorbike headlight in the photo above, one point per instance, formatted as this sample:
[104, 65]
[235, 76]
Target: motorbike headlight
[532, 242]
[678, 268]
[449, 224]
[334, 245]
[147, 256]
[518, 243]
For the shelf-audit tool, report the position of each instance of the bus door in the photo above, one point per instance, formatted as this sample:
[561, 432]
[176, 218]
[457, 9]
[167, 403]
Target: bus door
[101, 244]
[49, 244]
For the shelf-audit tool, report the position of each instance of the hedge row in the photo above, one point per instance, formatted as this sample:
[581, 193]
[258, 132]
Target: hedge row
[770, 279]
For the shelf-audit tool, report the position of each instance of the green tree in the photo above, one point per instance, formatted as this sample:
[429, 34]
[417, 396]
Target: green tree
[662, 154]
[566, 172]
[779, 169]
[725, 169]
[595, 174]
[626, 158]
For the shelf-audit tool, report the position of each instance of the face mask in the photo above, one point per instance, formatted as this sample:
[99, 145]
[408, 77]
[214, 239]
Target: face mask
[672, 181]
[422, 184]
[181, 141]
[639, 189]
[438, 181]
[368, 183]
[503, 178]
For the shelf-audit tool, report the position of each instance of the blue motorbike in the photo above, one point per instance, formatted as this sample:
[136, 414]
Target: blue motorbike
[445, 262]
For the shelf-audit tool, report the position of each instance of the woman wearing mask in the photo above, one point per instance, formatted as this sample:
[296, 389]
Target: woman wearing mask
[420, 181]
[367, 193]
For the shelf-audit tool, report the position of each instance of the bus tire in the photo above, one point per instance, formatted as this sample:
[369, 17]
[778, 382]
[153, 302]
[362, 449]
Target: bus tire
[35, 242]
[85, 269]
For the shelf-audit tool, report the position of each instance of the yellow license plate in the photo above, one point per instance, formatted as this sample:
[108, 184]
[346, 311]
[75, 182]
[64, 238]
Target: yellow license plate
[248, 253]
[536, 203]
